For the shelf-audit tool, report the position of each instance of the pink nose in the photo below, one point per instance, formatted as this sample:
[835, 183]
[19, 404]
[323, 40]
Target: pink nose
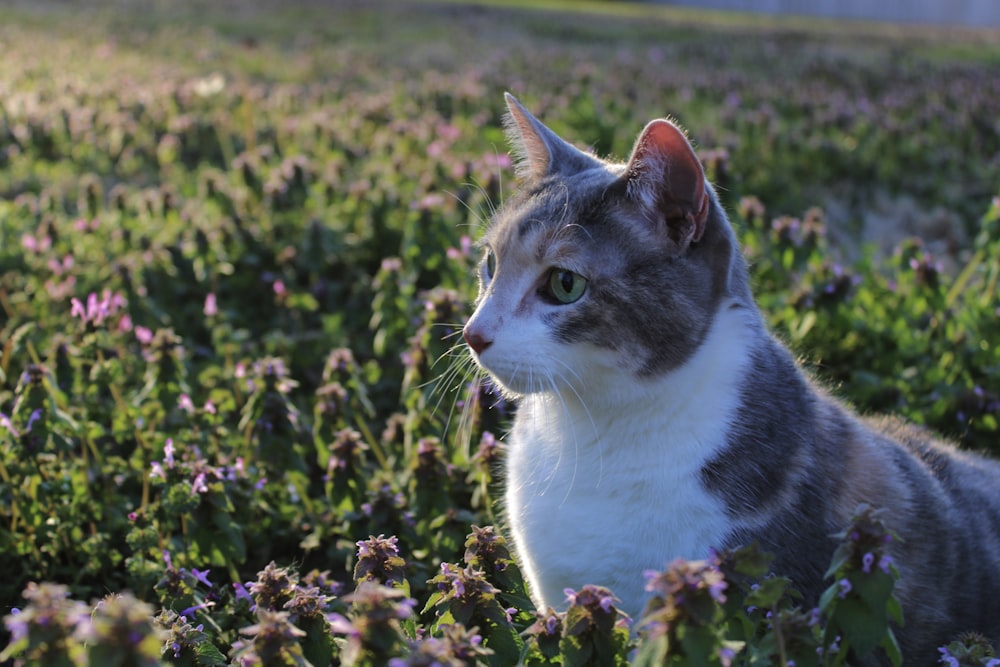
[476, 341]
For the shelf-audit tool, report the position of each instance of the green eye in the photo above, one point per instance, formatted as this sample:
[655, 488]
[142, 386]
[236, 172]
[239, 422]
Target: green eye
[566, 286]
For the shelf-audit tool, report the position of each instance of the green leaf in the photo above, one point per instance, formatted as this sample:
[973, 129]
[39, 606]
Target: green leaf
[875, 588]
[700, 644]
[208, 655]
[504, 641]
[862, 627]
[768, 592]
[892, 649]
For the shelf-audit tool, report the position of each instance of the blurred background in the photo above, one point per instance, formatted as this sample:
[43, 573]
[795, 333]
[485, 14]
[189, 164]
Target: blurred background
[973, 13]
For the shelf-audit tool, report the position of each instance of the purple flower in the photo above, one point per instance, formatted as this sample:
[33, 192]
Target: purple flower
[845, 588]
[947, 658]
[243, 594]
[551, 624]
[726, 656]
[716, 588]
[340, 625]
[202, 576]
[884, 563]
[591, 596]
[35, 416]
[867, 561]
[18, 627]
[190, 611]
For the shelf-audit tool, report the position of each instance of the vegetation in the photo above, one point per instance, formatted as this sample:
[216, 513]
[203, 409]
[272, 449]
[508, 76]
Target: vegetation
[236, 249]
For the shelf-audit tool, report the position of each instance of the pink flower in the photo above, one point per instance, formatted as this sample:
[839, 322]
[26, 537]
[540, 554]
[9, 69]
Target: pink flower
[199, 485]
[6, 423]
[144, 335]
[98, 308]
[211, 308]
[184, 403]
[76, 309]
[168, 453]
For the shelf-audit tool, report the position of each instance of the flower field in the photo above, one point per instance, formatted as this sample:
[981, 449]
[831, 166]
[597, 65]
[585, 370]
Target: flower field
[237, 240]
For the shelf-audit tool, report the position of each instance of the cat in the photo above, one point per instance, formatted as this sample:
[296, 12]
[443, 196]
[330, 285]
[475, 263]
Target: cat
[658, 418]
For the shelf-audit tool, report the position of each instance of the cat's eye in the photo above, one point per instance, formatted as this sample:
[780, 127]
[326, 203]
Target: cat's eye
[565, 286]
[491, 264]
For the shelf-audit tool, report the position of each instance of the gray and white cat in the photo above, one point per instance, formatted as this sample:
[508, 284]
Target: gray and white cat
[658, 418]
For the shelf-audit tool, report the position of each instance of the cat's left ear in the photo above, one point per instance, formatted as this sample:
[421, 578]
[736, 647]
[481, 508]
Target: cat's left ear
[665, 178]
[537, 150]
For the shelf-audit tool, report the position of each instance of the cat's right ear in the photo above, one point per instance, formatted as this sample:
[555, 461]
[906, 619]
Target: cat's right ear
[537, 150]
[665, 177]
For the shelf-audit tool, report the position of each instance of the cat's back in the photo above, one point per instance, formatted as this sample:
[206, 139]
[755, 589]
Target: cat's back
[949, 527]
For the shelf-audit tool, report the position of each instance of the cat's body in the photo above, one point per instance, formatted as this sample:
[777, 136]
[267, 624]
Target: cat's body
[658, 418]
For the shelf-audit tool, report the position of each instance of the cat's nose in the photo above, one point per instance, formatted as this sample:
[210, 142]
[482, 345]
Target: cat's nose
[475, 340]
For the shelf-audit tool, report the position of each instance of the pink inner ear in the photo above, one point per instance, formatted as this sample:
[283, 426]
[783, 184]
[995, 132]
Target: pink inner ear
[664, 161]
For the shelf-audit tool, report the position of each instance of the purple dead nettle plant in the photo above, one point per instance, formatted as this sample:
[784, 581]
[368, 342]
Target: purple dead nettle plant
[379, 561]
[97, 308]
[457, 646]
[191, 468]
[373, 628]
[44, 631]
[273, 640]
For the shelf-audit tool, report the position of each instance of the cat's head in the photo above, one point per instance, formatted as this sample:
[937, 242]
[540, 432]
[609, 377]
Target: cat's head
[594, 270]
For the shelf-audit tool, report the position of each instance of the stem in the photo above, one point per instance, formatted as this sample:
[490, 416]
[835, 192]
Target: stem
[372, 441]
[782, 657]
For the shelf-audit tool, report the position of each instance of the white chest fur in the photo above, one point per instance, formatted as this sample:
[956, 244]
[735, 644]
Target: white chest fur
[600, 491]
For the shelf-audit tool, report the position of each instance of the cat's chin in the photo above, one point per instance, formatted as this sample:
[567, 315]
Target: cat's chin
[510, 390]
[519, 385]
[516, 389]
